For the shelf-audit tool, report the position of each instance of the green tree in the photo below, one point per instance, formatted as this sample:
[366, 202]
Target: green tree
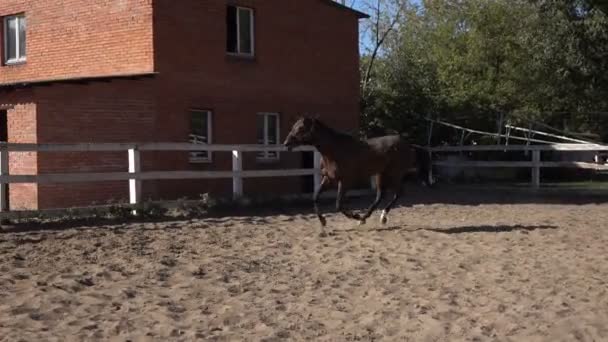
[468, 61]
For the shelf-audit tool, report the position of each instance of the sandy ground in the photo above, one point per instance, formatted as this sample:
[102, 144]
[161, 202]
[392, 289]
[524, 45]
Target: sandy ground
[514, 270]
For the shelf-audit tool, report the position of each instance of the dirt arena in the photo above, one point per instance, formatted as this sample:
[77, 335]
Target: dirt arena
[445, 268]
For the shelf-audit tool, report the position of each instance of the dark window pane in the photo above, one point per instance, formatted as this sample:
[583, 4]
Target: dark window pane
[246, 34]
[231, 27]
[199, 123]
[272, 130]
[11, 42]
[260, 128]
[22, 31]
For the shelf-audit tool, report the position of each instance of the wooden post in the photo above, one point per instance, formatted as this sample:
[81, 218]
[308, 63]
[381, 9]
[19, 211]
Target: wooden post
[4, 186]
[237, 180]
[317, 166]
[430, 178]
[461, 141]
[501, 120]
[134, 184]
[536, 169]
[430, 134]
[428, 145]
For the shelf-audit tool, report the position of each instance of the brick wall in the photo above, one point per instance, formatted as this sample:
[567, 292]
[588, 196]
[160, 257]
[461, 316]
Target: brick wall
[306, 62]
[70, 38]
[22, 128]
[117, 111]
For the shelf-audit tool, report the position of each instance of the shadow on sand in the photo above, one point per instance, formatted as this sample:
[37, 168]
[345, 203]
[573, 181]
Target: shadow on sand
[457, 230]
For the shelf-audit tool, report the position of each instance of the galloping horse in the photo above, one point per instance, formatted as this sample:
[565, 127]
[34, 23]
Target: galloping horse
[347, 160]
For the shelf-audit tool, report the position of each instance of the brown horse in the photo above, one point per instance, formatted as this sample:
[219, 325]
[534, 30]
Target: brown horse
[347, 160]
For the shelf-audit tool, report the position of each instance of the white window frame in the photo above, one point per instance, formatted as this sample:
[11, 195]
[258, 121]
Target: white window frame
[195, 156]
[19, 59]
[238, 32]
[266, 155]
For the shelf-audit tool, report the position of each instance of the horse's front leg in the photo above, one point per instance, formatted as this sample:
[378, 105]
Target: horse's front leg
[322, 187]
[339, 205]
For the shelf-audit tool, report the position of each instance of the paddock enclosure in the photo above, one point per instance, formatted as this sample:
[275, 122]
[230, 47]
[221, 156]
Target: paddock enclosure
[451, 265]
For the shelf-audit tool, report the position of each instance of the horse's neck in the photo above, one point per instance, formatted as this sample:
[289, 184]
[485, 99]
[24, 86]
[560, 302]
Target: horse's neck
[327, 150]
[331, 144]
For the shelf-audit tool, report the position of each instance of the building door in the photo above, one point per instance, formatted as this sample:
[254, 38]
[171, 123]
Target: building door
[4, 138]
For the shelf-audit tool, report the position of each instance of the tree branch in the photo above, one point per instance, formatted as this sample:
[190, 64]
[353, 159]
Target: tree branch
[380, 38]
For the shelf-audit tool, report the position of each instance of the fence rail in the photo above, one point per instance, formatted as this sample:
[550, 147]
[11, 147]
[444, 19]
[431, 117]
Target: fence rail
[135, 176]
[535, 164]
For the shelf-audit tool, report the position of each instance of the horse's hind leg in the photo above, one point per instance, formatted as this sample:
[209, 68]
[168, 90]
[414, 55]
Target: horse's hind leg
[398, 191]
[379, 195]
[339, 203]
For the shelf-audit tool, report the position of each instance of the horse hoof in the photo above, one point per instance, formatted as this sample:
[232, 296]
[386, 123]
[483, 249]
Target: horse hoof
[323, 221]
[384, 217]
[323, 234]
[361, 222]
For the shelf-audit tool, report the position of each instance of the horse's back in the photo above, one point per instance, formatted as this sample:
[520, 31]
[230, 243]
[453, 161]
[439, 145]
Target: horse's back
[385, 143]
[400, 156]
[390, 144]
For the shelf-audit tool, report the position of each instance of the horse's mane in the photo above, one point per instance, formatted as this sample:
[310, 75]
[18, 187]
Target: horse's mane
[334, 132]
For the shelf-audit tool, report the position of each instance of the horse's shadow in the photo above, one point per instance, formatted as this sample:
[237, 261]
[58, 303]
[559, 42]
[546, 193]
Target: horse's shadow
[456, 230]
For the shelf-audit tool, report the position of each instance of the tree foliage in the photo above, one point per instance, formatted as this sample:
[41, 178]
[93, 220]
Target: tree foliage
[469, 61]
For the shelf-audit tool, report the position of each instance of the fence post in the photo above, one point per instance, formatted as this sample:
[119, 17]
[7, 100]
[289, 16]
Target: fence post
[237, 179]
[317, 166]
[429, 177]
[134, 183]
[536, 169]
[4, 172]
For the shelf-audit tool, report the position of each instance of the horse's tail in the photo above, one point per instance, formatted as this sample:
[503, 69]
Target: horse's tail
[424, 165]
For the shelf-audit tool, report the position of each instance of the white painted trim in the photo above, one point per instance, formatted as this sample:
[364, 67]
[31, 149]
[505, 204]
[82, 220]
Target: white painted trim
[19, 59]
[238, 32]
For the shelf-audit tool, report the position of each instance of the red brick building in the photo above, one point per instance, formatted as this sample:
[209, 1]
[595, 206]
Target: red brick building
[217, 71]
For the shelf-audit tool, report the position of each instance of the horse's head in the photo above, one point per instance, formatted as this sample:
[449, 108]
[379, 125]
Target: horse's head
[302, 133]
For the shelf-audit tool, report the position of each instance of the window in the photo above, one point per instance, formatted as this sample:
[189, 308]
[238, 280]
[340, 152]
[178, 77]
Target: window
[268, 134]
[240, 37]
[200, 133]
[14, 39]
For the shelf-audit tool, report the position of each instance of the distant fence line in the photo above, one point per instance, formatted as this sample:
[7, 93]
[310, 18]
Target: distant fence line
[535, 164]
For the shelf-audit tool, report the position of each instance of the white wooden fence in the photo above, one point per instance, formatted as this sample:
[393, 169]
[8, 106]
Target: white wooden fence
[135, 175]
[535, 164]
